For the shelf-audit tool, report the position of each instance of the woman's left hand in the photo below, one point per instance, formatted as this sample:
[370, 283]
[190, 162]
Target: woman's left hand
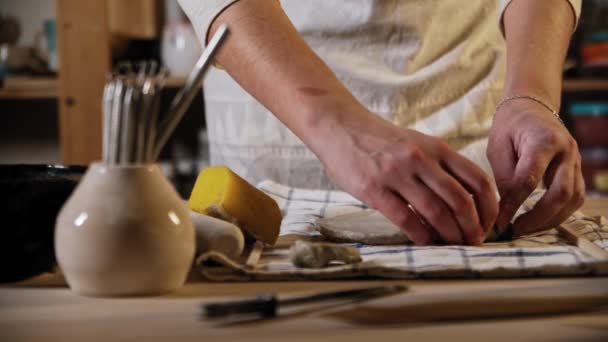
[528, 144]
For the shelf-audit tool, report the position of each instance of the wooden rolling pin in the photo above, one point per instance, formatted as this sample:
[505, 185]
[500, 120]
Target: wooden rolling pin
[466, 305]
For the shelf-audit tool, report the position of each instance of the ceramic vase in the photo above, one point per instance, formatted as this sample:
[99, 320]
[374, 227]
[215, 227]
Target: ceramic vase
[124, 232]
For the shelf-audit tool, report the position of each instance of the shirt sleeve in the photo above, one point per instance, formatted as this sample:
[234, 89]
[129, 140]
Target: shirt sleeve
[575, 6]
[202, 13]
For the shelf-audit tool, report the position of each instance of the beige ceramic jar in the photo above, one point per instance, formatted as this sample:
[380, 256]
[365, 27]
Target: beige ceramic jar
[124, 231]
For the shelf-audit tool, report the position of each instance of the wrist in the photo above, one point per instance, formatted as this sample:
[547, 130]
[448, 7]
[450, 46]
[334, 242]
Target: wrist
[547, 91]
[527, 98]
[346, 126]
[526, 105]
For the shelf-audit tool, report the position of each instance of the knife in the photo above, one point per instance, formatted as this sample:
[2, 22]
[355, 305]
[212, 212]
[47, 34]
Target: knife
[266, 305]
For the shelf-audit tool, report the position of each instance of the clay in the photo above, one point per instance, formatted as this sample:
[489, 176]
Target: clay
[319, 255]
[368, 226]
[215, 235]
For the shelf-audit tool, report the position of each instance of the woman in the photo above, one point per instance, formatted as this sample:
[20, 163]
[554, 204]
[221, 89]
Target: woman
[386, 93]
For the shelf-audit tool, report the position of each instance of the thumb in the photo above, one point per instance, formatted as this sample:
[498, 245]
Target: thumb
[529, 171]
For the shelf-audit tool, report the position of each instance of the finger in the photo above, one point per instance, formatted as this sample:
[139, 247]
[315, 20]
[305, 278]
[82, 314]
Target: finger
[396, 209]
[550, 172]
[553, 204]
[459, 200]
[578, 198]
[503, 161]
[432, 209]
[479, 184]
[528, 173]
[580, 191]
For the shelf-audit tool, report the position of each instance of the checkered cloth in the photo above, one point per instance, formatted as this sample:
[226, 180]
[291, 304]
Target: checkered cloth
[542, 254]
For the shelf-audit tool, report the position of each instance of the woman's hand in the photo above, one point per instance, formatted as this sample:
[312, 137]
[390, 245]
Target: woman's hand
[391, 169]
[528, 144]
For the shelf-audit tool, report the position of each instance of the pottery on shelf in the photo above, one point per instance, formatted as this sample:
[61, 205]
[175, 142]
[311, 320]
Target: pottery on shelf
[180, 48]
[124, 232]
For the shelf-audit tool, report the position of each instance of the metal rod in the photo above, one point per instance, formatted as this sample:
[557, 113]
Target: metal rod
[141, 122]
[149, 96]
[137, 121]
[115, 124]
[154, 116]
[184, 97]
[107, 101]
[128, 124]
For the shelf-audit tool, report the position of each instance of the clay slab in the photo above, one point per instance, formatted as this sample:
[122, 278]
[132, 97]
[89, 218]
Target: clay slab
[368, 226]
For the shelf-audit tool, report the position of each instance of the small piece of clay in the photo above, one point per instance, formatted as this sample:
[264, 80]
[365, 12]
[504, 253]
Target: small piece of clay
[368, 226]
[318, 255]
[215, 235]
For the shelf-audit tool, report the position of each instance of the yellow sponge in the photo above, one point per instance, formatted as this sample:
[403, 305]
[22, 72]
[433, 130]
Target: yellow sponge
[221, 193]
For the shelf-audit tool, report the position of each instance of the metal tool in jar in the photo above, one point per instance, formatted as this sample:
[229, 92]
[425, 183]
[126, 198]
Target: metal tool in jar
[134, 131]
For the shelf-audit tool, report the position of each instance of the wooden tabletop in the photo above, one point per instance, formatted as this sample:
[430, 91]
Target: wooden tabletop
[43, 309]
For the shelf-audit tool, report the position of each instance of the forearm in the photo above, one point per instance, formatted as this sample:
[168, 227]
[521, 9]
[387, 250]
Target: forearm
[268, 58]
[537, 35]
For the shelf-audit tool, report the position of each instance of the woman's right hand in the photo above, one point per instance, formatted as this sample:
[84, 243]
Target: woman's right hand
[417, 181]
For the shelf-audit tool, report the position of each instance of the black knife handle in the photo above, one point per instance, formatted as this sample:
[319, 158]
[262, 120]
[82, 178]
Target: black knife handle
[264, 305]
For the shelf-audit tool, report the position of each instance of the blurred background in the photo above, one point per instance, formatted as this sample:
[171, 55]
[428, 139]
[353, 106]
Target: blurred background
[47, 119]
[52, 114]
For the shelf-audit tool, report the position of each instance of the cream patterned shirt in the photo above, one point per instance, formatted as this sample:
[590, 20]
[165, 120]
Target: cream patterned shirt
[436, 66]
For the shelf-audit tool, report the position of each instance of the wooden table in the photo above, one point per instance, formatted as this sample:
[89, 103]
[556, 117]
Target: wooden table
[43, 309]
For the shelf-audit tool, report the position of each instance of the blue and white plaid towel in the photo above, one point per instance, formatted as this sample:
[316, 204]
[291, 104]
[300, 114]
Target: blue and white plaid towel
[541, 254]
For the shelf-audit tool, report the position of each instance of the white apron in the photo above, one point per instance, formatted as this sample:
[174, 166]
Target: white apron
[436, 66]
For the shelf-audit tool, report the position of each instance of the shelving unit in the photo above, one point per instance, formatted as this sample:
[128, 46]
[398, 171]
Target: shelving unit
[26, 88]
[175, 82]
[32, 88]
[48, 87]
[578, 85]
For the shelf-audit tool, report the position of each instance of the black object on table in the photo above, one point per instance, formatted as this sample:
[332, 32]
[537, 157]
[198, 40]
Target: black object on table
[30, 199]
[267, 305]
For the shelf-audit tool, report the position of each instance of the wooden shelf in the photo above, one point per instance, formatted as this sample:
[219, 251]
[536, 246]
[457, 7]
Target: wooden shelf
[44, 88]
[24, 88]
[579, 85]
[135, 18]
[29, 88]
[175, 82]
